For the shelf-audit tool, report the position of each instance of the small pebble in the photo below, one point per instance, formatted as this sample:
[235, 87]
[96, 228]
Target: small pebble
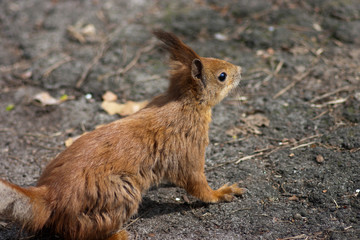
[297, 216]
[319, 159]
[357, 191]
[88, 96]
[221, 37]
[357, 96]
[109, 96]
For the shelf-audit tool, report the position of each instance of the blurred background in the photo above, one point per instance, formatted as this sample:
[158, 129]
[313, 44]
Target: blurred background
[290, 132]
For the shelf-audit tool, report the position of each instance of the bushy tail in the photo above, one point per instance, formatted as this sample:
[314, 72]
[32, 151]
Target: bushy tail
[24, 205]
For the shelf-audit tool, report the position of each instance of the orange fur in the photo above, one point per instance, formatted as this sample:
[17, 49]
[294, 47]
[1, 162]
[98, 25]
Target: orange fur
[93, 187]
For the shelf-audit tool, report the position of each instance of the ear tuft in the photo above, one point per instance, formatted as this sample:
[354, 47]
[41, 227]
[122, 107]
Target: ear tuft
[178, 50]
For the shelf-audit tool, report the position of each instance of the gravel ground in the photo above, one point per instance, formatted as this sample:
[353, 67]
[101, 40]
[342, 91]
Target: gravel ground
[293, 122]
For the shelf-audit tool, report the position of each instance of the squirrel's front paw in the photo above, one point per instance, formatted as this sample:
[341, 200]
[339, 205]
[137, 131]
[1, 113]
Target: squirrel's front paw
[226, 193]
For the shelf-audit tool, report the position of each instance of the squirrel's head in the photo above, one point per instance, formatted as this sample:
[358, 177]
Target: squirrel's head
[217, 77]
[206, 80]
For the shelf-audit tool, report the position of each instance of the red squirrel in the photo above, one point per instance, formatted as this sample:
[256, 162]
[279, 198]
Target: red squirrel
[94, 186]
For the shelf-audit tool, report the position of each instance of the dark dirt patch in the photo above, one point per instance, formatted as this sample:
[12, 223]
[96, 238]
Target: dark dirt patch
[301, 70]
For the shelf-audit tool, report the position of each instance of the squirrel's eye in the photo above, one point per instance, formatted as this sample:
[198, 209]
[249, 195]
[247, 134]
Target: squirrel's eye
[222, 77]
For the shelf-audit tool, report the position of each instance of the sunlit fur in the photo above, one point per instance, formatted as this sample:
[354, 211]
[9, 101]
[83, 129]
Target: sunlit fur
[93, 187]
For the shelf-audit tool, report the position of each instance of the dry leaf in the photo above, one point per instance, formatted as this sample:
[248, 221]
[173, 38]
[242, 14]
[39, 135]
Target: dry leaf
[109, 96]
[251, 125]
[258, 119]
[45, 99]
[299, 50]
[131, 107]
[111, 107]
[317, 27]
[10, 107]
[270, 51]
[82, 33]
[88, 30]
[234, 131]
[71, 140]
[75, 34]
[125, 109]
[293, 198]
[253, 122]
[26, 75]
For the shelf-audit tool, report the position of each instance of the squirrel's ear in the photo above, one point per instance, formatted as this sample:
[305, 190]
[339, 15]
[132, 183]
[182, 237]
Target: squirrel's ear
[197, 71]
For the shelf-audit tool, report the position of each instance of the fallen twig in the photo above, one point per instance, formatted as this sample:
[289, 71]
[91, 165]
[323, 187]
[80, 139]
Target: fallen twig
[132, 222]
[345, 88]
[237, 161]
[333, 102]
[135, 220]
[347, 228]
[102, 49]
[266, 151]
[248, 157]
[297, 79]
[46, 147]
[230, 141]
[136, 58]
[278, 67]
[303, 145]
[354, 150]
[56, 65]
[38, 135]
[336, 204]
[19, 160]
[301, 236]
[8, 130]
[286, 194]
[18, 65]
[208, 169]
[310, 137]
[270, 73]
[149, 46]
[320, 115]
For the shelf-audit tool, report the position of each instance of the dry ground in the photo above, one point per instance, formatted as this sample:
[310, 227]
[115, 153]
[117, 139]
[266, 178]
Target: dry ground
[301, 80]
